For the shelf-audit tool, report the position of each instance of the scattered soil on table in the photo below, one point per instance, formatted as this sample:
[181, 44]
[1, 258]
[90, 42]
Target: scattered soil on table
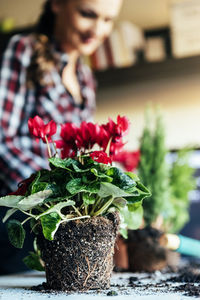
[188, 289]
[184, 281]
[191, 278]
[81, 255]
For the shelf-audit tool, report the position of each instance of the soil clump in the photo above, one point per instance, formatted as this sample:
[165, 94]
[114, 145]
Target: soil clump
[80, 257]
[144, 250]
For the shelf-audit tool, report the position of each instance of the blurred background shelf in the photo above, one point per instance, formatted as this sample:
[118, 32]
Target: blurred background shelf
[171, 67]
[142, 70]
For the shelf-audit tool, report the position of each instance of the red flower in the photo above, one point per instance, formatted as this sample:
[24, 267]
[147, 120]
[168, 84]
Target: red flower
[88, 135]
[23, 186]
[103, 138]
[118, 129]
[129, 160]
[123, 125]
[101, 157]
[38, 129]
[116, 147]
[68, 134]
[115, 131]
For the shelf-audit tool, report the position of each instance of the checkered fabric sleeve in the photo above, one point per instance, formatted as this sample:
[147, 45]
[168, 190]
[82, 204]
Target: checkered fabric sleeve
[12, 104]
[20, 155]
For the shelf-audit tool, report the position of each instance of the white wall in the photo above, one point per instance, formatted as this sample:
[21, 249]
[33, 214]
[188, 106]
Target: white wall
[23, 12]
[179, 99]
[145, 13]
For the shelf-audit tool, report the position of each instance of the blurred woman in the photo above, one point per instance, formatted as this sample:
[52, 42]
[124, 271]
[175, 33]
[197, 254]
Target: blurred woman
[42, 74]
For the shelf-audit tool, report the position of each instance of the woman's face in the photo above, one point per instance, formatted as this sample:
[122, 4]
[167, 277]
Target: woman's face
[82, 25]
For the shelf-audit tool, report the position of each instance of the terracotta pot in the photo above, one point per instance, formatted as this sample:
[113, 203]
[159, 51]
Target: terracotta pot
[81, 255]
[121, 254]
[142, 251]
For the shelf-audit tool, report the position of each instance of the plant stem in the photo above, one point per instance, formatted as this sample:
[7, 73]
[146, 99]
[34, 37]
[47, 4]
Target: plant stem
[107, 151]
[77, 211]
[86, 210]
[95, 206]
[30, 215]
[54, 146]
[48, 147]
[76, 218]
[104, 207]
[26, 220]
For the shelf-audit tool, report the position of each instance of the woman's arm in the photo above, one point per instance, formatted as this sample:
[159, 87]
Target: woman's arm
[17, 157]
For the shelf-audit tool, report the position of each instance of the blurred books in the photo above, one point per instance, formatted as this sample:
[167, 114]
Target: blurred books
[120, 49]
[185, 28]
[155, 49]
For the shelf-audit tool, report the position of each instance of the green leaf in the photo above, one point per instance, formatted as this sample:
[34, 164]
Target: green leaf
[119, 202]
[56, 199]
[35, 181]
[50, 224]
[78, 169]
[92, 187]
[142, 189]
[66, 163]
[132, 176]
[33, 261]
[132, 207]
[109, 189]
[33, 200]
[8, 214]
[120, 178]
[88, 198]
[75, 186]
[40, 186]
[34, 226]
[101, 175]
[83, 184]
[132, 219]
[10, 201]
[16, 233]
[123, 232]
[140, 194]
[56, 209]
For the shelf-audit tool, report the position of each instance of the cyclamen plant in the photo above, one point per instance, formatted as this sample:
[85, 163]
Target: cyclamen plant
[81, 182]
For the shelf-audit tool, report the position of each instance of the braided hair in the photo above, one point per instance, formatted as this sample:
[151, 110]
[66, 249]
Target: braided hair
[42, 60]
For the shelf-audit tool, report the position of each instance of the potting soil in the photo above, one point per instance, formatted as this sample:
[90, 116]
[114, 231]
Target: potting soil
[81, 255]
[144, 250]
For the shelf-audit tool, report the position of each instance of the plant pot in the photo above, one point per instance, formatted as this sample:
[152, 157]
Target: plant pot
[143, 251]
[146, 253]
[80, 257]
[121, 254]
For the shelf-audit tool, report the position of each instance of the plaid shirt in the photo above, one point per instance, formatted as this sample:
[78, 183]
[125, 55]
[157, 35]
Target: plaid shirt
[20, 155]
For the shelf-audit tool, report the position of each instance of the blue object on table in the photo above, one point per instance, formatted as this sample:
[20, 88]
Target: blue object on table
[189, 246]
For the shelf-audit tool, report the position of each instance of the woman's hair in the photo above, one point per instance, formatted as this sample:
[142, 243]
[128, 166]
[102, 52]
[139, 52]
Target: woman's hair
[42, 60]
[46, 21]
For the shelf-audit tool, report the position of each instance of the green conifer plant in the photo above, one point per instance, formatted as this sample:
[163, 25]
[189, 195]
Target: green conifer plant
[153, 168]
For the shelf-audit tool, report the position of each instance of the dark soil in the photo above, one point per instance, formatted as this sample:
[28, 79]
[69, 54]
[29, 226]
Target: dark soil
[144, 250]
[81, 255]
[188, 289]
[189, 277]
